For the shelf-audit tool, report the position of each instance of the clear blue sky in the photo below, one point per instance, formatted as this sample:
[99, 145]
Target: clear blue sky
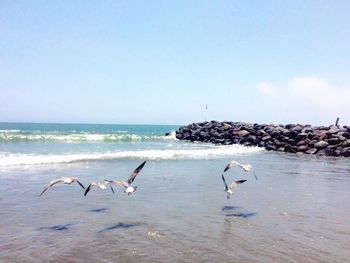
[160, 62]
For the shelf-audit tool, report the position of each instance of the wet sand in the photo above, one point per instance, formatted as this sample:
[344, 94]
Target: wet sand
[297, 211]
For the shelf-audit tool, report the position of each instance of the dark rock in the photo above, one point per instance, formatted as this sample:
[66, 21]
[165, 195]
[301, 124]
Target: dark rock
[333, 141]
[294, 138]
[293, 134]
[303, 142]
[302, 148]
[265, 138]
[346, 143]
[179, 136]
[283, 138]
[296, 129]
[301, 136]
[345, 152]
[291, 142]
[293, 149]
[345, 134]
[307, 130]
[333, 129]
[271, 148]
[329, 151]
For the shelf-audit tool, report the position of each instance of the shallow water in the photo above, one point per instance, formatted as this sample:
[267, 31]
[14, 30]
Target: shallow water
[297, 211]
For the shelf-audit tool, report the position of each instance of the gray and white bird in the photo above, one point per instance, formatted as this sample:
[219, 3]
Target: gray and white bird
[229, 189]
[244, 167]
[99, 185]
[128, 187]
[65, 180]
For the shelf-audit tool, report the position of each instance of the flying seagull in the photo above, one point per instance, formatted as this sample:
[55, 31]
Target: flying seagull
[101, 186]
[128, 188]
[65, 180]
[234, 184]
[244, 167]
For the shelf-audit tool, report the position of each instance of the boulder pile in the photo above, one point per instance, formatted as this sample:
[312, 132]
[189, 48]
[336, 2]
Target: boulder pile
[293, 138]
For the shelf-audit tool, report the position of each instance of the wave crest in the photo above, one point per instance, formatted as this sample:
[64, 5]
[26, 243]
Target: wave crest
[28, 159]
[74, 137]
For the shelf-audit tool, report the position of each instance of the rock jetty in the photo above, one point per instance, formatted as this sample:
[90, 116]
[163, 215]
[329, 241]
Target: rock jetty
[293, 138]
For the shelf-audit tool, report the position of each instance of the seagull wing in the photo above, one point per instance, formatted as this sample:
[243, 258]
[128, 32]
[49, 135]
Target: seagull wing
[135, 172]
[111, 188]
[235, 183]
[247, 168]
[227, 167]
[230, 164]
[223, 179]
[118, 183]
[80, 184]
[242, 166]
[88, 189]
[51, 184]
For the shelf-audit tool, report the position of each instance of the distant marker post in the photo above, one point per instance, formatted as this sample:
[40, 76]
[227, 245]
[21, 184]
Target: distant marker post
[205, 113]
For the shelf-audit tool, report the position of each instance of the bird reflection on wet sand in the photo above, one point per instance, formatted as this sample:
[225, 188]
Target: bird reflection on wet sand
[56, 227]
[229, 207]
[229, 212]
[242, 215]
[121, 225]
[99, 210]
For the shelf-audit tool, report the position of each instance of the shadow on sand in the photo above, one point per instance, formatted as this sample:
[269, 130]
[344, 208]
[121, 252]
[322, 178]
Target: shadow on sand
[99, 210]
[229, 208]
[121, 226]
[56, 228]
[243, 215]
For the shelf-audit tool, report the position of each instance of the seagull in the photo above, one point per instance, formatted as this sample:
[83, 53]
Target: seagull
[234, 184]
[129, 189]
[101, 186]
[244, 167]
[65, 180]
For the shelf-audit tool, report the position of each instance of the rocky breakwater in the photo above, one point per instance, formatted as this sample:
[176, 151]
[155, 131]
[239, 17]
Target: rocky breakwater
[293, 138]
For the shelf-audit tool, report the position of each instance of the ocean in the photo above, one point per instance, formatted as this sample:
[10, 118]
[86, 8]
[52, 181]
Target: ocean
[297, 211]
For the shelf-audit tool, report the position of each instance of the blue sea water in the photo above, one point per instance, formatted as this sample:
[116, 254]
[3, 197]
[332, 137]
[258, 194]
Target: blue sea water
[31, 144]
[297, 211]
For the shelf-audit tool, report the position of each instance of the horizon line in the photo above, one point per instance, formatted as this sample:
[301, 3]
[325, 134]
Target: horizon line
[86, 123]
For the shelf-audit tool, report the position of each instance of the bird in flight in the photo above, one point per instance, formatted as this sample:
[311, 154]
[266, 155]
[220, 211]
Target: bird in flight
[229, 189]
[128, 187]
[99, 185]
[65, 180]
[244, 167]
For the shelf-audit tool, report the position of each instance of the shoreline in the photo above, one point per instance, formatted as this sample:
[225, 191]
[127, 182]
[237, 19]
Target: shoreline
[292, 138]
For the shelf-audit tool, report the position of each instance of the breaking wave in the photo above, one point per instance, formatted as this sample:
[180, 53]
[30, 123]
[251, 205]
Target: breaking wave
[11, 136]
[35, 159]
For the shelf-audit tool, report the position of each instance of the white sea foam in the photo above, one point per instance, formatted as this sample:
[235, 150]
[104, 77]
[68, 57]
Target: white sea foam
[75, 137]
[171, 136]
[7, 159]
[9, 131]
